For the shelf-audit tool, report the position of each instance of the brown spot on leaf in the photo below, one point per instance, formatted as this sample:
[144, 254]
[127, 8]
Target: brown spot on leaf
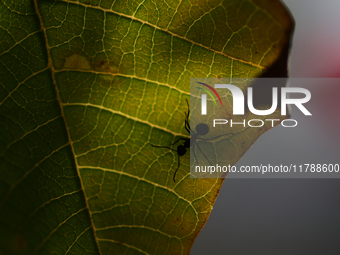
[105, 67]
[77, 61]
[19, 243]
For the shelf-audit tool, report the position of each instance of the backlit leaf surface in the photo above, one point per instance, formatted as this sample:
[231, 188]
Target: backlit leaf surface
[85, 88]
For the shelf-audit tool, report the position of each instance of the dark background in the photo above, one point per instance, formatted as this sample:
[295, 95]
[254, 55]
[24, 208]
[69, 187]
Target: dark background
[290, 216]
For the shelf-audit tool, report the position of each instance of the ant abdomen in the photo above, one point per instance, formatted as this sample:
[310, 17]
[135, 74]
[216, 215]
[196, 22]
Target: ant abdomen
[202, 129]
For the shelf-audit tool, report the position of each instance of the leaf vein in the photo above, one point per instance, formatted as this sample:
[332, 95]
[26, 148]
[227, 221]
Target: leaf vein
[166, 31]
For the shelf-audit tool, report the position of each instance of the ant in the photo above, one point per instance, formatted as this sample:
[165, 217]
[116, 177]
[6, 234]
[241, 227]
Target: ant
[201, 129]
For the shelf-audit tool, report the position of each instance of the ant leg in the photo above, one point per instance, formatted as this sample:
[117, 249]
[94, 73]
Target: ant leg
[179, 139]
[216, 137]
[163, 147]
[193, 151]
[203, 153]
[177, 157]
[176, 170]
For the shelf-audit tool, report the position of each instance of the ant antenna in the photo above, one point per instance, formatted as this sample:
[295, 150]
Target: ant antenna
[187, 113]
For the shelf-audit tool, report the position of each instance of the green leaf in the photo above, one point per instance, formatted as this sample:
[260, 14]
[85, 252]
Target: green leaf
[85, 89]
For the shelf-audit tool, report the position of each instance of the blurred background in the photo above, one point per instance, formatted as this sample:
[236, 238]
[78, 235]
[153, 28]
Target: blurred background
[290, 216]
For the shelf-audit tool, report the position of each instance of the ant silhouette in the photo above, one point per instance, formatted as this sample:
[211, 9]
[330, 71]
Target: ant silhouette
[201, 130]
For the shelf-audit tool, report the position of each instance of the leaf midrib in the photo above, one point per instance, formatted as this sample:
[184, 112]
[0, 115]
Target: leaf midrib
[50, 65]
